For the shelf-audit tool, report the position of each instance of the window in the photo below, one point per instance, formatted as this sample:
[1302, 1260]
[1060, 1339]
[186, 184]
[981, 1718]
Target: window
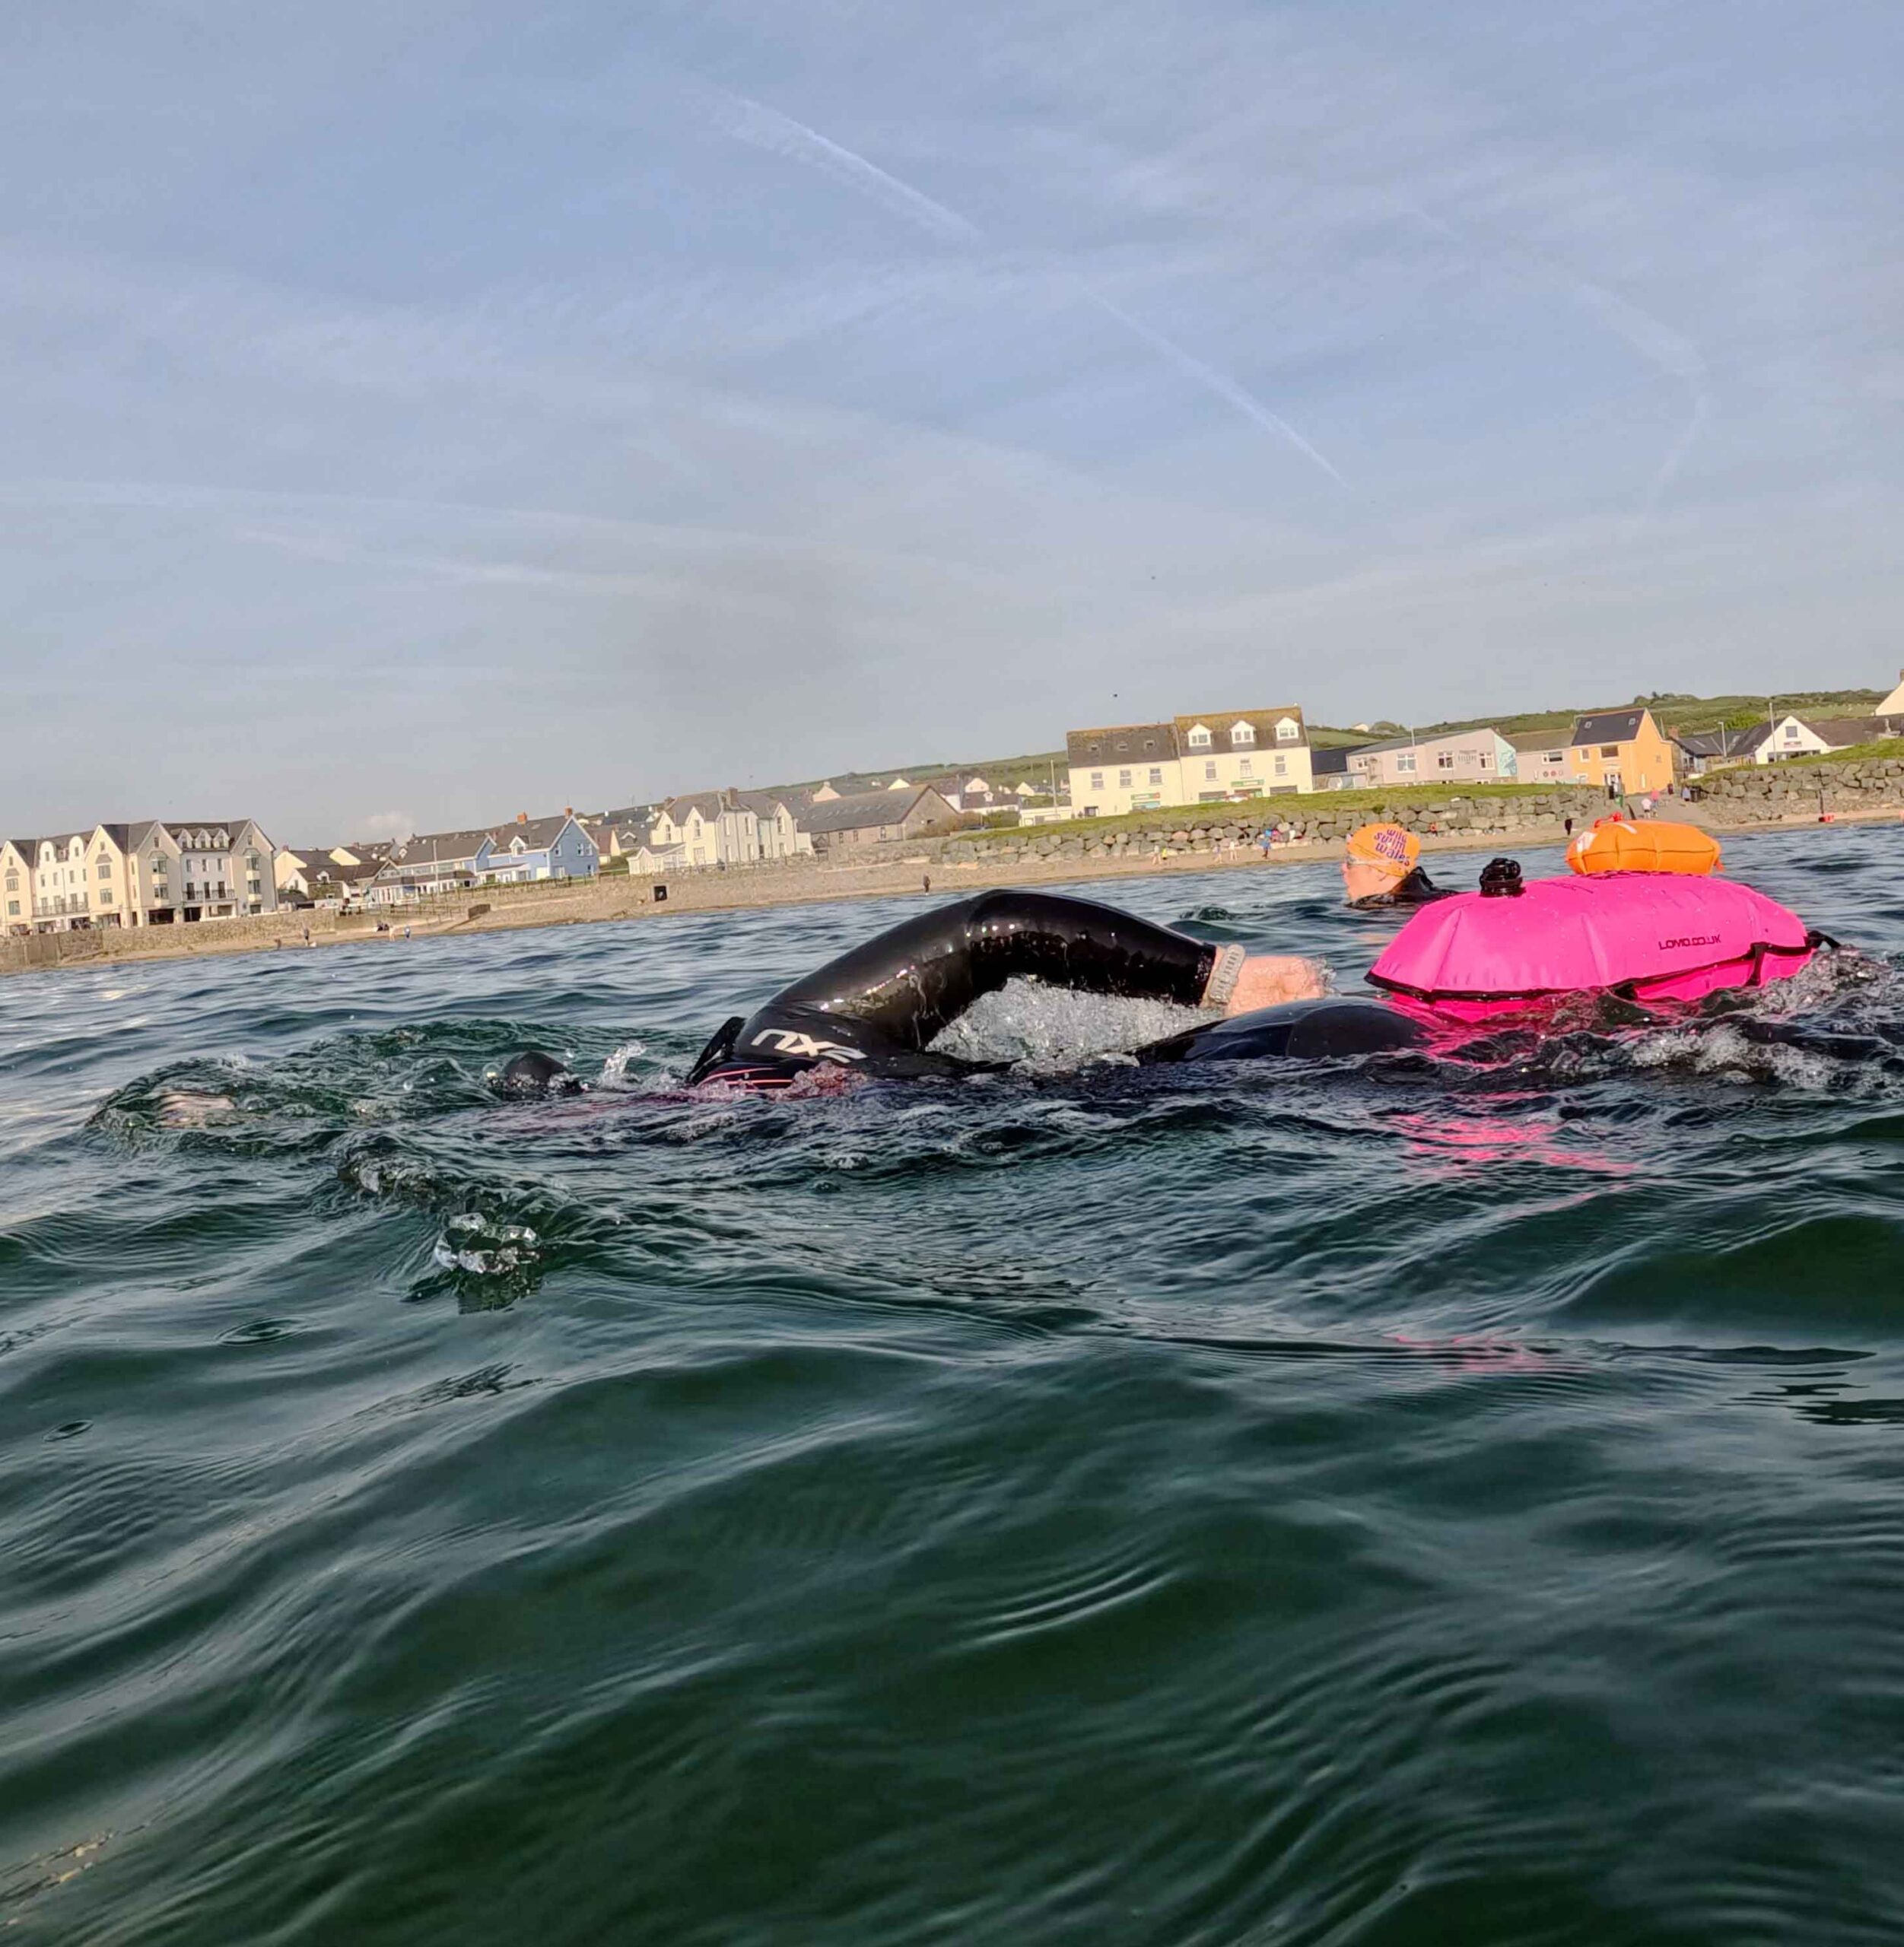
[1791, 733]
[1405, 761]
[1124, 780]
[1485, 759]
[1243, 766]
[1609, 750]
[1287, 730]
[13, 909]
[1445, 760]
[1156, 775]
[105, 896]
[1242, 733]
[106, 868]
[1210, 771]
[1097, 780]
[1199, 737]
[1554, 757]
[1282, 765]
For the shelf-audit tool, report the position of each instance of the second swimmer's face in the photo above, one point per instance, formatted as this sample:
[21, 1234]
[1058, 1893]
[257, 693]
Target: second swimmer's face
[1365, 882]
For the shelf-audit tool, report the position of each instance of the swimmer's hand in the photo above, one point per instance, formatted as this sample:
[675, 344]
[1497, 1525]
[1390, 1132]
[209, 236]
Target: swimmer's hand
[1268, 978]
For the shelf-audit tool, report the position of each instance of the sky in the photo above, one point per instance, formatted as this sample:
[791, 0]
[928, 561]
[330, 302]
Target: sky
[414, 414]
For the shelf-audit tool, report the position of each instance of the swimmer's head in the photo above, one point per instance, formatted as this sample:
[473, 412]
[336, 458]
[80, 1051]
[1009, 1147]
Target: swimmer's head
[1377, 858]
[534, 1073]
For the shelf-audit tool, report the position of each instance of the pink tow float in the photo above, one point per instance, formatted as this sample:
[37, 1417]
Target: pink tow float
[1643, 935]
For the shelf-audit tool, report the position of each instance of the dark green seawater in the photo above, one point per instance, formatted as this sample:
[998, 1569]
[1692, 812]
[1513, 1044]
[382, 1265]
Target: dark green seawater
[1348, 1505]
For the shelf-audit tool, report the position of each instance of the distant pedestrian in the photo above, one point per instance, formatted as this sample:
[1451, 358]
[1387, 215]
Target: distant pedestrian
[1266, 838]
[307, 936]
[927, 882]
[1569, 823]
[406, 932]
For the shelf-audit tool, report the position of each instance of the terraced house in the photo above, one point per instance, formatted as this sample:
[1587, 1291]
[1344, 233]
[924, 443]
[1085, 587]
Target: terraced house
[1226, 755]
[728, 828]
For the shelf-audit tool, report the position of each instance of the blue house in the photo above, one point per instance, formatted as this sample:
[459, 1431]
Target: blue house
[551, 848]
[433, 862]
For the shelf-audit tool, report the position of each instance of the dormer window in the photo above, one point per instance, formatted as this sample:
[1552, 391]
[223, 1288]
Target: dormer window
[1287, 730]
[1198, 738]
[1242, 734]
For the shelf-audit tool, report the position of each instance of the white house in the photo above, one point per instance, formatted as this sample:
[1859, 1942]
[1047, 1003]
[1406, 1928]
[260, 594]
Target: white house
[724, 828]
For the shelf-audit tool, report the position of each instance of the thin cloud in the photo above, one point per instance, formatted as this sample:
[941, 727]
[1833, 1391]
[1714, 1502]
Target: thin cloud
[767, 128]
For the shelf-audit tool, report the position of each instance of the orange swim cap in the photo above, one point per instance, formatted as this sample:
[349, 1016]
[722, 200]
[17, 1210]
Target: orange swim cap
[1388, 847]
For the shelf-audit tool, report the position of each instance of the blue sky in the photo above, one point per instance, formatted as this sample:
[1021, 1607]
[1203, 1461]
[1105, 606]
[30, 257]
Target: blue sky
[413, 414]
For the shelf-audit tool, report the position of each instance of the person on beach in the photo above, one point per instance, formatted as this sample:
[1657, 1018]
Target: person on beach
[1379, 870]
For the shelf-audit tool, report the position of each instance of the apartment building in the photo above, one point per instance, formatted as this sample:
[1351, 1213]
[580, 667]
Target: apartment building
[153, 873]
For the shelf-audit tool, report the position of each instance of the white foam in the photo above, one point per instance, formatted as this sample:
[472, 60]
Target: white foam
[1053, 1031]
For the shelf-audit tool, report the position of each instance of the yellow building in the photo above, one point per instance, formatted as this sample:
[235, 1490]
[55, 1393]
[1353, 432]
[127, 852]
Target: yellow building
[1624, 748]
[1223, 757]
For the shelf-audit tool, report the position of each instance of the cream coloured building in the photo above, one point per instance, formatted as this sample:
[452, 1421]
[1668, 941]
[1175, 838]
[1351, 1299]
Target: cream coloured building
[149, 873]
[1224, 757]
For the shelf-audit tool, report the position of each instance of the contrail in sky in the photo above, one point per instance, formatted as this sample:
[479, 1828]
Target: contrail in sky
[767, 128]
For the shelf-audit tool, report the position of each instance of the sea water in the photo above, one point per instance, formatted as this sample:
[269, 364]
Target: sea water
[1360, 1503]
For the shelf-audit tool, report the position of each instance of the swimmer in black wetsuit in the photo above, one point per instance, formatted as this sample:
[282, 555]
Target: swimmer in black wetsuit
[876, 1009]
[1379, 870]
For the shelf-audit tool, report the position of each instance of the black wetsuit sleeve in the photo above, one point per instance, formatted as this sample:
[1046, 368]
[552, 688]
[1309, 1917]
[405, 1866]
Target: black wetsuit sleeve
[893, 994]
[915, 979]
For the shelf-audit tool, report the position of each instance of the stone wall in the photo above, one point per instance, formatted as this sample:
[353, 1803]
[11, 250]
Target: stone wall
[1310, 818]
[1748, 792]
[106, 943]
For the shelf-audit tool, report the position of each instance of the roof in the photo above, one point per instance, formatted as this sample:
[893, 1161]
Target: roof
[1427, 743]
[1607, 726]
[1332, 759]
[437, 848]
[1538, 740]
[1841, 731]
[1722, 743]
[1122, 743]
[865, 809]
[1263, 721]
[537, 834]
[325, 870]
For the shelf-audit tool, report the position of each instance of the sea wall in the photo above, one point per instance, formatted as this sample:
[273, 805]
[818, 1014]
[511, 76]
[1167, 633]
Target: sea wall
[1308, 820]
[1750, 792]
[110, 943]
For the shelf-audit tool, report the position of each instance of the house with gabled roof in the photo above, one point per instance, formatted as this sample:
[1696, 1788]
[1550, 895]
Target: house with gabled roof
[1620, 751]
[556, 847]
[727, 828]
[834, 825]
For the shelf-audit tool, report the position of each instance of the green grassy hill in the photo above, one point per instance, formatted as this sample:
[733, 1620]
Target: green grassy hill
[1674, 711]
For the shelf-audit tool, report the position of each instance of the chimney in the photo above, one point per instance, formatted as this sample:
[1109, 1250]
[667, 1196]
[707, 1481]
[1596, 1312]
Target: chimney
[522, 817]
[568, 810]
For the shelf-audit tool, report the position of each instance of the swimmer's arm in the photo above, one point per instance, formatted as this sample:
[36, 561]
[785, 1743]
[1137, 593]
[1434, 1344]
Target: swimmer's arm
[1266, 979]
